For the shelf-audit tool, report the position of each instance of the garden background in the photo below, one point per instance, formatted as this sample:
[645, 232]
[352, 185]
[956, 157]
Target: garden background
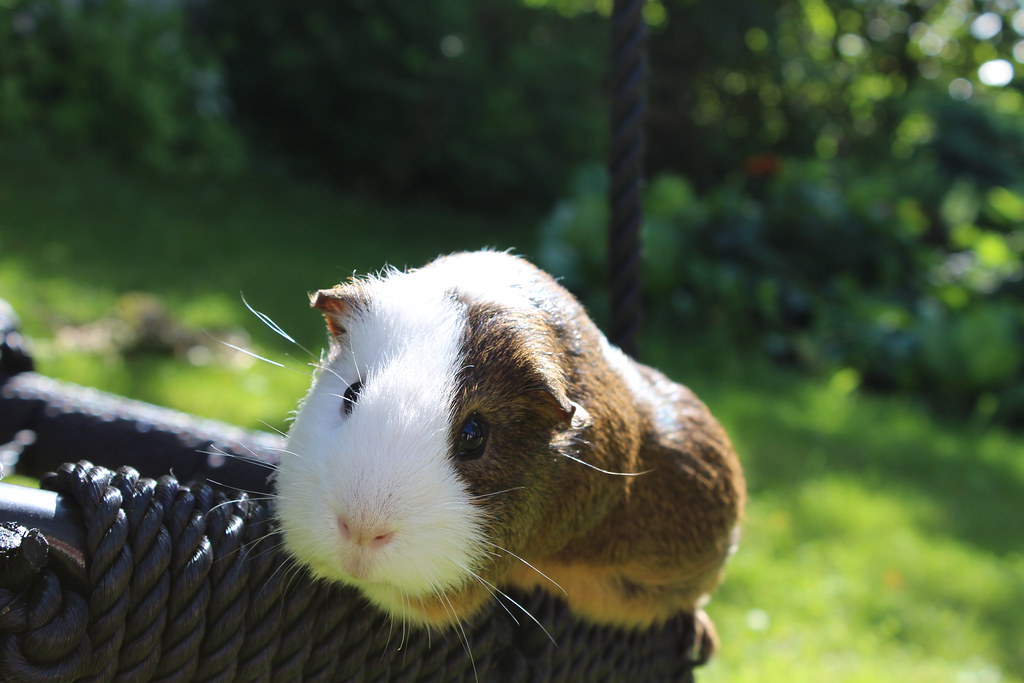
[835, 237]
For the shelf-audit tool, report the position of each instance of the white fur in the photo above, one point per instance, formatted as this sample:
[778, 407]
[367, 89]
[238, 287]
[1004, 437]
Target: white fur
[624, 367]
[387, 465]
[495, 276]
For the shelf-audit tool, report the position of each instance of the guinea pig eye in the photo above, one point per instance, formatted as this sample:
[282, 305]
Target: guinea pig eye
[351, 396]
[472, 438]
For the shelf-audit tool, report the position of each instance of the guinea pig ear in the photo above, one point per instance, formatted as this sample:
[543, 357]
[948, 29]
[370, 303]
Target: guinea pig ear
[574, 415]
[578, 416]
[336, 305]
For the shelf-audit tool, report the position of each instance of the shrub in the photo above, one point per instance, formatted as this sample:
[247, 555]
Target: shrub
[487, 103]
[828, 268]
[118, 76]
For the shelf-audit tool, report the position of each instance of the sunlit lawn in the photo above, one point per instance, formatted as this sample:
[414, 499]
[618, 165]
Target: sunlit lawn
[882, 544]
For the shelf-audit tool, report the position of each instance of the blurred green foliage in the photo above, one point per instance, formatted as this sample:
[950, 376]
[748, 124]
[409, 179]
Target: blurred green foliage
[493, 102]
[826, 268]
[810, 78]
[476, 102]
[118, 76]
[837, 184]
[486, 103]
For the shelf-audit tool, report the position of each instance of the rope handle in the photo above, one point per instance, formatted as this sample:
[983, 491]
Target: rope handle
[625, 166]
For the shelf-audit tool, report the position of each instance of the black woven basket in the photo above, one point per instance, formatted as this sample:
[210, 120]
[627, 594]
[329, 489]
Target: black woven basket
[108, 575]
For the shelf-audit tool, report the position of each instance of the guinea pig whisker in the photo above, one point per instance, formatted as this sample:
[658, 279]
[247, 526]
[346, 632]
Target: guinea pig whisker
[391, 628]
[343, 398]
[249, 547]
[393, 620]
[509, 598]
[295, 569]
[235, 488]
[238, 500]
[499, 601]
[272, 427]
[273, 547]
[506, 550]
[459, 629]
[495, 596]
[355, 364]
[251, 458]
[288, 573]
[495, 493]
[272, 325]
[323, 367]
[258, 356]
[290, 568]
[269, 449]
[266, 320]
[285, 565]
[283, 451]
[405, 621]
[595, 467]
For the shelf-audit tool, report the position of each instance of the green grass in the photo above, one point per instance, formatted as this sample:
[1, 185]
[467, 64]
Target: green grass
[76, 236]
[880, 544]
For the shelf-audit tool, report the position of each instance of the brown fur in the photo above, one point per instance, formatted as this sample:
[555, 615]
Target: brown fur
[627, 550]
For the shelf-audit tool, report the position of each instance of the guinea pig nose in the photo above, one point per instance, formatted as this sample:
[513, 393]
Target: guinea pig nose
[371, 537]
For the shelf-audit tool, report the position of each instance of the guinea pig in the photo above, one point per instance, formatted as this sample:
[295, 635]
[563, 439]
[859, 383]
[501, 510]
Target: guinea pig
[470, 429]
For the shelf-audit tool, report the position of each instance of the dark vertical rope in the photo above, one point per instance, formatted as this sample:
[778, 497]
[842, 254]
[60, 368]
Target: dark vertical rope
[629, 69]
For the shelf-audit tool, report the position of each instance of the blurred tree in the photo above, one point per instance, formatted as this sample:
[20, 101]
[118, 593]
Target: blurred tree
[493, 102]
[853, 196]
[810, 78]
[836, 182]
[487, 103]
[735, 81]
[117, 76]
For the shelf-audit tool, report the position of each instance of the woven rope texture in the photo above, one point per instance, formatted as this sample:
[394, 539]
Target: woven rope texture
[185, 584]
[629, 70]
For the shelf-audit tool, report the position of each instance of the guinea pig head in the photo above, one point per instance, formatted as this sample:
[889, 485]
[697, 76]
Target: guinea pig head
[421, 461]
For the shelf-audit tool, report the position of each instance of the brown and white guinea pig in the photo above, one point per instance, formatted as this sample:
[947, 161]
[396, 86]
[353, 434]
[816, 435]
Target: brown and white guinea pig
[471, 429]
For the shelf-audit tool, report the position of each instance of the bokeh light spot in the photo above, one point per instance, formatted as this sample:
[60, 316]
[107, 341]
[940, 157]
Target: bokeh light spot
[986, 26]
[961, 89]
[996, 72]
